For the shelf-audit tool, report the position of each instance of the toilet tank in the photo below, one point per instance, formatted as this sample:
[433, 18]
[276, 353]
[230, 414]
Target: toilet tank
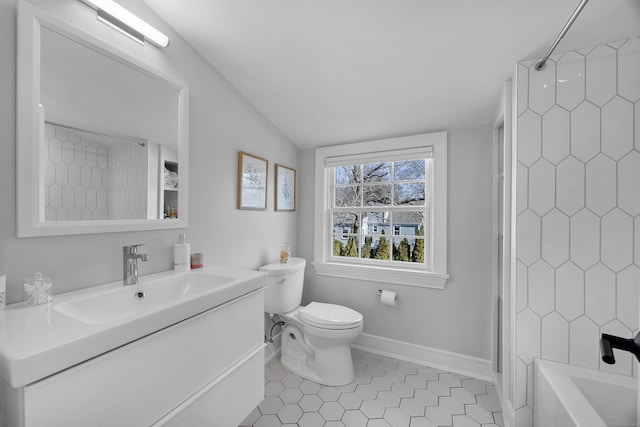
[284, 285]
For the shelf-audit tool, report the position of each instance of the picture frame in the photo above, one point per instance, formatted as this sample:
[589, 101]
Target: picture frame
[285, 192]
[252, 181]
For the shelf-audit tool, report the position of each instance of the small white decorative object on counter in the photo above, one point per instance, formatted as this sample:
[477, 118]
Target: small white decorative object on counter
[3, 291]
[37, 290]
[182, 254]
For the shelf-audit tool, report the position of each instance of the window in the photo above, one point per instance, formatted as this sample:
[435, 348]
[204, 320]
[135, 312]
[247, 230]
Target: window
[381, 211]
[368, 200]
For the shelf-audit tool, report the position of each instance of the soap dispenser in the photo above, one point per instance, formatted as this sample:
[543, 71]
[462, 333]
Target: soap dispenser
[182, 254]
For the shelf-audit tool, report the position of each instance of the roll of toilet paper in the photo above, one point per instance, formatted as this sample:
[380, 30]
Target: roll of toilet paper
[388, 298]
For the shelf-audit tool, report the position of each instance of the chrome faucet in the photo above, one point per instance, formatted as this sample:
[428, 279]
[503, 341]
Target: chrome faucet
[130, 257]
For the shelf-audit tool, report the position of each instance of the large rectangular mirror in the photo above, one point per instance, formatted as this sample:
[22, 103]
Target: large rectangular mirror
[101, 136]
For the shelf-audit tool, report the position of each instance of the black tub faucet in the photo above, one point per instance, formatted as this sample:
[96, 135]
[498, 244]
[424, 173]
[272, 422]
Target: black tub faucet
[609, 342]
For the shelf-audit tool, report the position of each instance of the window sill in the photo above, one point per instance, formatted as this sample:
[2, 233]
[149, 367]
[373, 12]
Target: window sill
[421, 279]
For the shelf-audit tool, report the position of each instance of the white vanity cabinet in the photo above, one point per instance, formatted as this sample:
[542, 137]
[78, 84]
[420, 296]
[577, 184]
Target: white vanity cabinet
[207, 370]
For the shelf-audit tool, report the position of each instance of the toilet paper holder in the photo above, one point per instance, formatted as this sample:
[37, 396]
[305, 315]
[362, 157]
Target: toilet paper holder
[379, 293]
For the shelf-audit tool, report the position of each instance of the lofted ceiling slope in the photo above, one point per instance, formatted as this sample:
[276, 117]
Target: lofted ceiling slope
[327, 72]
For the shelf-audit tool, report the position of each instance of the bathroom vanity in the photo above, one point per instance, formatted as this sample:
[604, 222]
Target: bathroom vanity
[179, 349]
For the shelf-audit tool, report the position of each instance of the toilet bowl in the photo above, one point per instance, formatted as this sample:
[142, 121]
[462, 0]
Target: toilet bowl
[318, 349]
[316, 339]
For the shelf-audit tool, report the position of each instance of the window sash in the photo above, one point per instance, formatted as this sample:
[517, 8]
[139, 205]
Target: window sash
[413, 153]
[362, 209]
[393, 182]
[339, 234]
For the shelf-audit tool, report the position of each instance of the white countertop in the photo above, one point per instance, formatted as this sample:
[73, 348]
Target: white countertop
[38, 341]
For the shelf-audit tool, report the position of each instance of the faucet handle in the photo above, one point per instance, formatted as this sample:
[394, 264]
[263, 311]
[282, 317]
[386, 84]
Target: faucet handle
[131, 249]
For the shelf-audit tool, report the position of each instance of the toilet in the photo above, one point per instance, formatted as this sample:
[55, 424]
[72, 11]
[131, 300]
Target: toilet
[316, 338]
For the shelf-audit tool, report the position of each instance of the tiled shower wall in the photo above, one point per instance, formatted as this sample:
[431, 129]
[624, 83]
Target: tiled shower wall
[578, 210]
[87, 180]
[76, 176]
[128, 183]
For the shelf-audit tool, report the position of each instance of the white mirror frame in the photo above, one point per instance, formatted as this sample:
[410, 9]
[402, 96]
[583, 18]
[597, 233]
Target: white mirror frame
[30, 128]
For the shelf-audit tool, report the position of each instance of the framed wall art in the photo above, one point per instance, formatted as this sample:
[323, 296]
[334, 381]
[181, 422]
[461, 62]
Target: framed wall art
[285, 188]
[252, 181]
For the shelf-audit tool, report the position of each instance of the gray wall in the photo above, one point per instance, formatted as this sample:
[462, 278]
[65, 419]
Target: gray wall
[221, 123]
[456, 319]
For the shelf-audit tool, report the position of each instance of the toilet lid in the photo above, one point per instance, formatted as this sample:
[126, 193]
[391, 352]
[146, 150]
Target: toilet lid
[329, 315]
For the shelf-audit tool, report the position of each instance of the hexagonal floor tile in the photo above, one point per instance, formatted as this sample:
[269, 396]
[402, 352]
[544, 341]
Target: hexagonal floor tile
[311, 419]
[310, 403]
[290, 413]
[331, 411]
[406, 395]
[291, 395]
[349, 400]
[270, 405]
[353, 418]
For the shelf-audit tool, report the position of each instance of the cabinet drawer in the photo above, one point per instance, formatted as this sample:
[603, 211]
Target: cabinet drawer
[225, 402]
[139, 383]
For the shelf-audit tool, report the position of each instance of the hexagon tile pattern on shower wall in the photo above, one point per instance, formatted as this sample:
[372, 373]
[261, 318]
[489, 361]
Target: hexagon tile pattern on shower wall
[86, 179]
[578, 210]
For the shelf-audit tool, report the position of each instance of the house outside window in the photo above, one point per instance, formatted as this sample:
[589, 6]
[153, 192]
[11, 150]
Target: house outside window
[381, 211]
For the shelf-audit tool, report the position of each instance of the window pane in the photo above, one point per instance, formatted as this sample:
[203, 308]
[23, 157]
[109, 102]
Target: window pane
[347, 196]
[376, 222]
[377, 195]
[409, 223]
[417, 251]
[377, 172]
[409, 194]
[365, 251]
[345, 223]
[348, 174]
[345, 247]
[376, 247]
[411, 169]
[402, 249]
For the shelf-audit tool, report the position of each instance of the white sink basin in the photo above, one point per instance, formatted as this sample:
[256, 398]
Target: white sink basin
[132, 300]
[38, 341]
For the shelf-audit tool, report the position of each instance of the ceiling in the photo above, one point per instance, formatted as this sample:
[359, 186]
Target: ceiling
[328, 72]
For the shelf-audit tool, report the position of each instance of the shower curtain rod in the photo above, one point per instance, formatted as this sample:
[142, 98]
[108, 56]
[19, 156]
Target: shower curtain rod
[138, 141]
[540, 65]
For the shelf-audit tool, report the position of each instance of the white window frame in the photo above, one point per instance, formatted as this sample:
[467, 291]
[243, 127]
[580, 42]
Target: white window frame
[437, 276]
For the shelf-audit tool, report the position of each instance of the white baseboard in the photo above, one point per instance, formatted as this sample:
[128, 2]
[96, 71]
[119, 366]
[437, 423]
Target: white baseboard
[270, 355]
[440, 359]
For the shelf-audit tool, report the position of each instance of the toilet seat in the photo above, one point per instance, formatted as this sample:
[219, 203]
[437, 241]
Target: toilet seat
[329, 316]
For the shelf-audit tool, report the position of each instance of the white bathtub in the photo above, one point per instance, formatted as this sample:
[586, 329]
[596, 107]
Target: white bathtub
[570, 396]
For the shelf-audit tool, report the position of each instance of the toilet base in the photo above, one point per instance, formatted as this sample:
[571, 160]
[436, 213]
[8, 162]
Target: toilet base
[328, 361]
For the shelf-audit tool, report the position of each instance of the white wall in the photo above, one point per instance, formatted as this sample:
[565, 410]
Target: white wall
[456, 319]
[578, 210]
[221, 123]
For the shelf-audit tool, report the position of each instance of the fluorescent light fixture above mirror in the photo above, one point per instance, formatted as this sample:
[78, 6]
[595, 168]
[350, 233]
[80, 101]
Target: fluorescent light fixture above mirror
[119, 18]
